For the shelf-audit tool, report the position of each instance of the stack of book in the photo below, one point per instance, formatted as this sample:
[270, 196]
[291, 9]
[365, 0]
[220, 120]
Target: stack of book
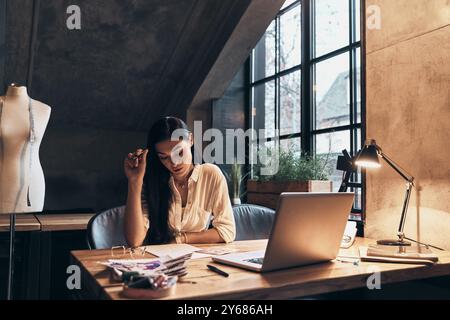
[398, 254]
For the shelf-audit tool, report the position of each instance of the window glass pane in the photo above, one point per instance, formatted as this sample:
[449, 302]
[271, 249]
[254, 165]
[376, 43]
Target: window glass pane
[290, 38]
[290, 103]
[264, 108]
[270, 145]
[332, 92]
[357, 145]
[330, 145]
[357, 204]
[264, 55]
[287, 3]
[358, 85]
[291, 145]
[356, 177]
[331, 25]
[358, 140]
[357, 20]
[264, 159]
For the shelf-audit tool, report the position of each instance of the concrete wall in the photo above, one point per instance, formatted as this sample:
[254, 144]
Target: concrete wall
[132, 62]
[230, 112]
[84, 167]
[408, 113]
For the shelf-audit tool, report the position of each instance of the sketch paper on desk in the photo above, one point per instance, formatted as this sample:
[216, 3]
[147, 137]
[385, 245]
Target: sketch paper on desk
[175, 250]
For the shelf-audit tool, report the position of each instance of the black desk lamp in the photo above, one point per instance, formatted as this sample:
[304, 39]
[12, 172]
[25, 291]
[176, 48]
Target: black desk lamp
[368, 158]
[346, 163]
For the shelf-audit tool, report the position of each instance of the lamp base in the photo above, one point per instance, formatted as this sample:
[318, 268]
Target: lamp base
[393, 242]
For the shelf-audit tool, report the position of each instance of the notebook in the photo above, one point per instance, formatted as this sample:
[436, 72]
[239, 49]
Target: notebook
[412, 255]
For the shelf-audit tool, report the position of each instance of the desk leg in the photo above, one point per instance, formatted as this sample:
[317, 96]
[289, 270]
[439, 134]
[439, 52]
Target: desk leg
[45, 265]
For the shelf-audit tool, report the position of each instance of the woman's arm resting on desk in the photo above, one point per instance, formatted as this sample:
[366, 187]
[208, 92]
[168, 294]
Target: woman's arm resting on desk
[223, 222]
[208, 236]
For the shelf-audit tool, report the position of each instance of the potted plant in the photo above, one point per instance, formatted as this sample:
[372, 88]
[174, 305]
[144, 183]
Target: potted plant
[296, 173]
[235, 179]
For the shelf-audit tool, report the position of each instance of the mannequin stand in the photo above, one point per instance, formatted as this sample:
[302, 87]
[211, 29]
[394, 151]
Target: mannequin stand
[12, 229]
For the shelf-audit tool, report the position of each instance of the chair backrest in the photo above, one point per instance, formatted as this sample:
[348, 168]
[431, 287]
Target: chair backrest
[253, 221]
[105, 229]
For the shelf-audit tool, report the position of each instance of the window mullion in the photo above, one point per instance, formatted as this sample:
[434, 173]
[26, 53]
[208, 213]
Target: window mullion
[277, 79]
[351, 75]
[306, 89]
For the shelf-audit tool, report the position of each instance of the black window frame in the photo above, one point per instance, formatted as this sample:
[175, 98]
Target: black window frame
[306, 67]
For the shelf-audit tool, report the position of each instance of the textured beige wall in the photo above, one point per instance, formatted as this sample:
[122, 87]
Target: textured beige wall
[408, 113]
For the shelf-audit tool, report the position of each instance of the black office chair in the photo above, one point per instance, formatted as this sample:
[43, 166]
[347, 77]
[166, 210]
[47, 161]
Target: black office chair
[253, 221]
[105, 229]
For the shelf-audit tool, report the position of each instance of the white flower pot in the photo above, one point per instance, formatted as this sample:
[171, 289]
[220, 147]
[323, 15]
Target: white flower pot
[236, 201]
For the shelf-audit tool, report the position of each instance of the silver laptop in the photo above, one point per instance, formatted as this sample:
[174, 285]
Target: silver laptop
[307, 229]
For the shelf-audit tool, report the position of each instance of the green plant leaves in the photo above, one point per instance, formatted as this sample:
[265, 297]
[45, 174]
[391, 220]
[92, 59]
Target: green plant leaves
[294, 166]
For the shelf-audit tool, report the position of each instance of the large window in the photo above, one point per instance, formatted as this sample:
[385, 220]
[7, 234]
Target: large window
[306, 82]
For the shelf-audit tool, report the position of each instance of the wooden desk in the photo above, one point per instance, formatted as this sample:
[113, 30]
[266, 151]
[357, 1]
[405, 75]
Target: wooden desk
[24, 222]
[64, 222]
[292, 283]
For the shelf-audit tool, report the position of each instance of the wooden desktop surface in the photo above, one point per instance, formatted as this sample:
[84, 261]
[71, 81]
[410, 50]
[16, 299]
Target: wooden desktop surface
[24, 222]
[64, 221]
[241, 284]
[47, 222]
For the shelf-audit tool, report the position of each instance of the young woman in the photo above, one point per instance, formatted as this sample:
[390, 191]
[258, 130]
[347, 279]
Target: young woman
[170, 199]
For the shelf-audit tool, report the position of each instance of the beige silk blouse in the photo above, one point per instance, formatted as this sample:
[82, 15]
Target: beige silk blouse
[207, 201]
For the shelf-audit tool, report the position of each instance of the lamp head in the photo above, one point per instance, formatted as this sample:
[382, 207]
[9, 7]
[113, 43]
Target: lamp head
[368, 156]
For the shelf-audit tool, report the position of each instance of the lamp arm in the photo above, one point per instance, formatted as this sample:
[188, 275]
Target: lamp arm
[401, 226]
[410, 185]
[397, 168]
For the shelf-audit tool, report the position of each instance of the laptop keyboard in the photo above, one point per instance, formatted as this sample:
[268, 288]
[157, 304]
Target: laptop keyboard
[255, 260]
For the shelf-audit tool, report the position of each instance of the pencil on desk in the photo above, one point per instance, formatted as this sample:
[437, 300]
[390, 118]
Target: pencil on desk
[217, 270]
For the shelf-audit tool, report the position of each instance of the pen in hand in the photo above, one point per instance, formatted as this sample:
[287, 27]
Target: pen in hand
[217, 270]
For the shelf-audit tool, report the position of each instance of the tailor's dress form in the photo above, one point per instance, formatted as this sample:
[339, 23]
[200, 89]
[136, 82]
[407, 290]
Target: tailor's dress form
[22, 183]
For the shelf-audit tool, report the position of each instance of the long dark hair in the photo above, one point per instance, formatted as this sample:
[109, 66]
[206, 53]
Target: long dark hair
[156, 180]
